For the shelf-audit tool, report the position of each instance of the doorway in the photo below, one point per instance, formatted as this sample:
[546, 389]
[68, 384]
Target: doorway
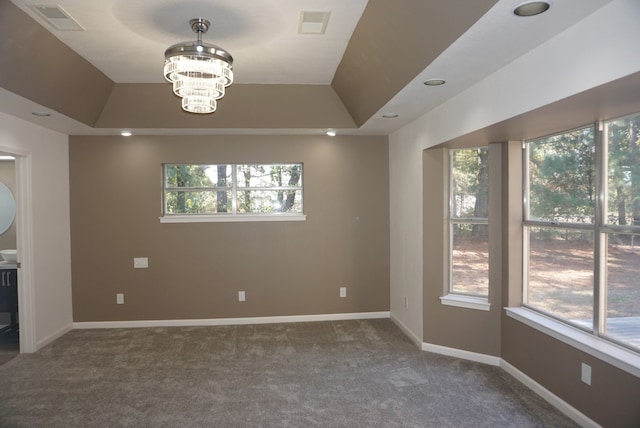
[9, 323]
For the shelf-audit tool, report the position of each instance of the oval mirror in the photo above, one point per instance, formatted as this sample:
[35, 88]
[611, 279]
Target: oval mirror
[7, 208]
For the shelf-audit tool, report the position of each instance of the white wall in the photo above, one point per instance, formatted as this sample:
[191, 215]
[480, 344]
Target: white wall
[405, 225]
[44, 242]
[601, 48]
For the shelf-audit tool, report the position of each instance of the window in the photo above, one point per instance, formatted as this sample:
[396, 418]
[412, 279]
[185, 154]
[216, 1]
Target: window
[468, 222]
[582, 229]
[227, 191]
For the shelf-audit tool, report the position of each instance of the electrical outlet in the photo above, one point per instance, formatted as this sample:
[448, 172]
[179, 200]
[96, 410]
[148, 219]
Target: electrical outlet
[140, 262]
[343, 291]
[120, 298]
[241, 296]
[585, 374]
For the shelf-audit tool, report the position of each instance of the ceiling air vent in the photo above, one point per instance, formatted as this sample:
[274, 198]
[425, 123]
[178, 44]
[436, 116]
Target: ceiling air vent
[313, 22]
[57, 17]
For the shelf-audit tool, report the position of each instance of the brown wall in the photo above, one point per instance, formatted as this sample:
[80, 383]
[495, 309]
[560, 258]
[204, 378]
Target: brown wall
[153, 105]
[8, 177]
[454, 327]
[612, 400]
[38, 66]
[196, 270]
[393, 42]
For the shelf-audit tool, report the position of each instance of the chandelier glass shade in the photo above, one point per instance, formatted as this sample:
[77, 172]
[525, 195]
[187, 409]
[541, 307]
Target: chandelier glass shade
[199, 71]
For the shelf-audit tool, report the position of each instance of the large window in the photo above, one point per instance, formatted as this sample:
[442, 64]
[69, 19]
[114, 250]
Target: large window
[468, 222]
[582, 228]
[232, 190]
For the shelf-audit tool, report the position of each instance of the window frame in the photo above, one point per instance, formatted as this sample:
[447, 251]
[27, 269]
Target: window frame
[600, 230]
[234, 188]
[451, 296]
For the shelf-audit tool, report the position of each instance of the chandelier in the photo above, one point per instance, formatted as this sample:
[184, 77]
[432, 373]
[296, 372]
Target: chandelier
[199, 71]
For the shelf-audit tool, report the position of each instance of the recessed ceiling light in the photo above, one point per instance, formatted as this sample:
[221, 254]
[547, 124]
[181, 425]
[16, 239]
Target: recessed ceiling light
[41, 113]
[126, 133]
[434, 82]
[531, 8]
[331, 132]
[390, 115]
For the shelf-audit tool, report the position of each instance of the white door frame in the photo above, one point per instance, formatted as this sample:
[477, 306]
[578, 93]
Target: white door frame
[24, 238]
[24, 244]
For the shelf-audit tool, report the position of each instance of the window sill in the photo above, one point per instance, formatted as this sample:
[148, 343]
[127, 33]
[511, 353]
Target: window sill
[231, 218]
[617, 356]
[469, 302]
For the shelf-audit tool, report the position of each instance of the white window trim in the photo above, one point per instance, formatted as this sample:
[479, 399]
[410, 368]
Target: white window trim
[230, 218]
[599, 228]
[617, 356]
[454, 298]
[469, 302]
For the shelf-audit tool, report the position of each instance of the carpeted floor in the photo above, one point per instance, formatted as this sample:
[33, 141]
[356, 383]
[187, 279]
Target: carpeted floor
[9, 346]
[325, 374]
[9, 339]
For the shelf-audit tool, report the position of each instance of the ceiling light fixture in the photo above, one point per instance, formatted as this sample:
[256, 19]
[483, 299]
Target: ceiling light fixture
[531, 8]
[41, 113]
[435, 82]
[390, 115]
[199, 71]
[126, 133]
[331, 132]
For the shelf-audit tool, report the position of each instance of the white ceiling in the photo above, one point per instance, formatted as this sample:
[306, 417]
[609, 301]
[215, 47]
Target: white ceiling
[126, 39]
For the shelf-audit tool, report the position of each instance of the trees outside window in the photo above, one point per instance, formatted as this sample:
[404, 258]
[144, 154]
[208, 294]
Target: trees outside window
[468, 221]
[232, 189]
[582, 228]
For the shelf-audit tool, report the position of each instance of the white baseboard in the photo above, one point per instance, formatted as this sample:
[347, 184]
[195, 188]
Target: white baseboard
[47, 340]
[459, 353]
[557, 402]
[230, 321]
[564, 407]
[415, 339]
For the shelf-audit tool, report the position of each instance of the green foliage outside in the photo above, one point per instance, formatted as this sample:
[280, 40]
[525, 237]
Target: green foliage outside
[470, 189]
[624, 171]
[208, 189]
[264, 177]
[185, 179]
[562, 176]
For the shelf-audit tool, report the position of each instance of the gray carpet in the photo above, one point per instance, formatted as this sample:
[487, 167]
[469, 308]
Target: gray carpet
[325, 374]
[9, 345]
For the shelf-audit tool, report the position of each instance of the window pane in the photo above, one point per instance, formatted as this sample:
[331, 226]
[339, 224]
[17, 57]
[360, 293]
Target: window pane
[286, 175]
[178, 176]
[470, 259]
[562, 177]
[233, 189]
[623, 288]
[200, 202]
[269, 201]
[560, 271]
[623, 183]
[470, 183]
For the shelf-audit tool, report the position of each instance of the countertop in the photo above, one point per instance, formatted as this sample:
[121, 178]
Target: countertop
[6, 265]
